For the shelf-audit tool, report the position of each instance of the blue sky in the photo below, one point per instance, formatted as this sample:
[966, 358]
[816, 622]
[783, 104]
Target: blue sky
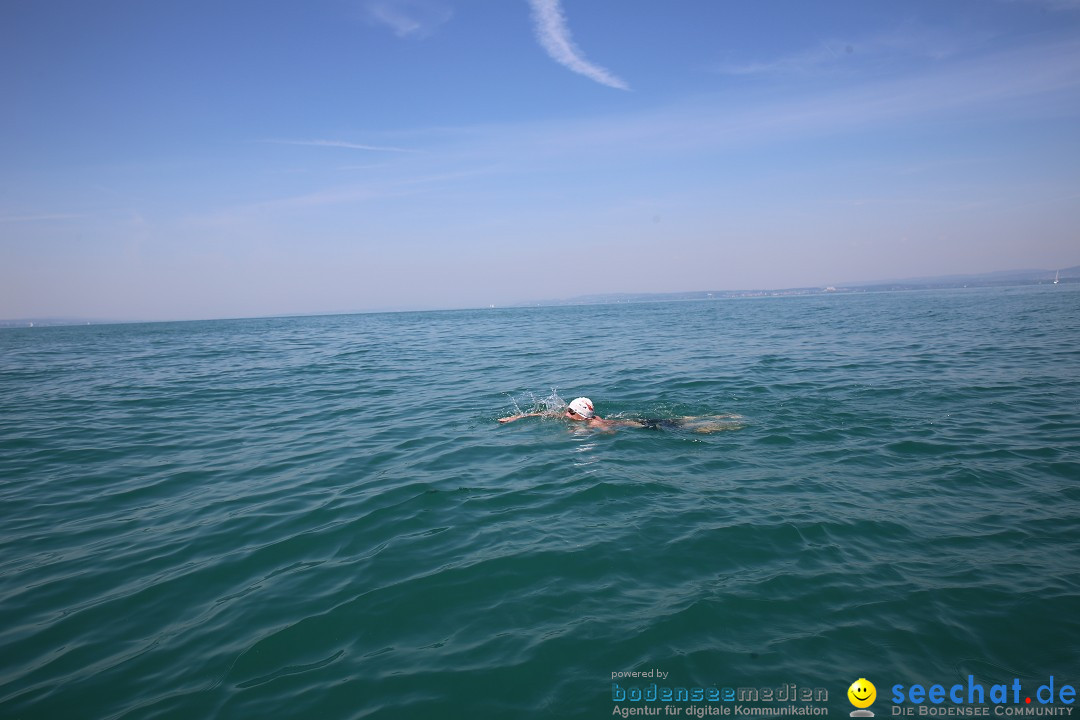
[204, 159]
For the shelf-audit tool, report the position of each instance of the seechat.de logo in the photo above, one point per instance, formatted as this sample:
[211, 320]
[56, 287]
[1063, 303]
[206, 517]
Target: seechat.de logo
[862, 694]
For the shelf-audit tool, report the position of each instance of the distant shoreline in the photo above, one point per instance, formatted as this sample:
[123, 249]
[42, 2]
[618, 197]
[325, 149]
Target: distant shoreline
[1069, 276]
[614, 298]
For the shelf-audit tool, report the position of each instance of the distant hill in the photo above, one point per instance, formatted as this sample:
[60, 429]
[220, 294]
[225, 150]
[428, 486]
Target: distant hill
[941, 282]
[1002, 277]
[47, 322]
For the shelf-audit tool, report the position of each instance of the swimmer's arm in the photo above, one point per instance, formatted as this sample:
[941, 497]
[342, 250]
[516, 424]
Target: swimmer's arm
[612, 424]
[512, 418]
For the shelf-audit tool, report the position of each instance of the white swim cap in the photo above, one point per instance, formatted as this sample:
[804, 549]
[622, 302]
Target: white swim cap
[583, 407]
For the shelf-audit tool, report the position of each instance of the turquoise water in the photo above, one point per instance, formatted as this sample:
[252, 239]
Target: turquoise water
[321, 517]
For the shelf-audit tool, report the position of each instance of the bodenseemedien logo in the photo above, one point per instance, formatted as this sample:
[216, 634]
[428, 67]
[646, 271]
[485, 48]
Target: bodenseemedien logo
[862, 694]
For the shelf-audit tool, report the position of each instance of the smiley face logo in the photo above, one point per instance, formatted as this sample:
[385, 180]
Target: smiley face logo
[862, 693]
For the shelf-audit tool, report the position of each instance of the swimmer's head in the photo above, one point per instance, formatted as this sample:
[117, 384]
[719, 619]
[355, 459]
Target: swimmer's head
[581, 406]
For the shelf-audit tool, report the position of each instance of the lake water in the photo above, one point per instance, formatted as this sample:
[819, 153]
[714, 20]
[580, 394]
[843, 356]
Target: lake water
[321, 517]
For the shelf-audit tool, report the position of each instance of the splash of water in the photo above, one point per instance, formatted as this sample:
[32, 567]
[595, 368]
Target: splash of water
[529, 402]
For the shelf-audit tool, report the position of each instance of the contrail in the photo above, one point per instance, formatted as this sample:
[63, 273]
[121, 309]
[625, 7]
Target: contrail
[554, 36]
[341, 144]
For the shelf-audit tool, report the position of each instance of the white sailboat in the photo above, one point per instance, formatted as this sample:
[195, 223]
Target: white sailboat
[1056, 274]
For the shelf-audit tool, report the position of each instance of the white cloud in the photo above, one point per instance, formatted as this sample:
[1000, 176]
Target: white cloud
[408, 17]
[554, 36]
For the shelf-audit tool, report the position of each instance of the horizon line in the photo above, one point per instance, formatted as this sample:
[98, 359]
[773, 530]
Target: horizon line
[913, 285]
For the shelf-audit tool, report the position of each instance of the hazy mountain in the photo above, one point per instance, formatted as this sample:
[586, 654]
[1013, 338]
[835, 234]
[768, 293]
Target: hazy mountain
[999, 278]
[1022, 277]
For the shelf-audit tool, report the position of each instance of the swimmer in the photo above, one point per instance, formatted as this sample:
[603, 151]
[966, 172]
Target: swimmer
[581, 410]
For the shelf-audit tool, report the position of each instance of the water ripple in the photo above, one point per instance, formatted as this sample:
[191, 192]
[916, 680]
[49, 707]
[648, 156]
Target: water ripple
[321, 517]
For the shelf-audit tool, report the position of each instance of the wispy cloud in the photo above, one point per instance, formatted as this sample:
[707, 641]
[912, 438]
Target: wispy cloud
[908, 43]
[1052, 4]
[42, 217]
[366, 166]
[408, 17]
[343, 144]
[348, 194]
[1039, 80]
[554, 36]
